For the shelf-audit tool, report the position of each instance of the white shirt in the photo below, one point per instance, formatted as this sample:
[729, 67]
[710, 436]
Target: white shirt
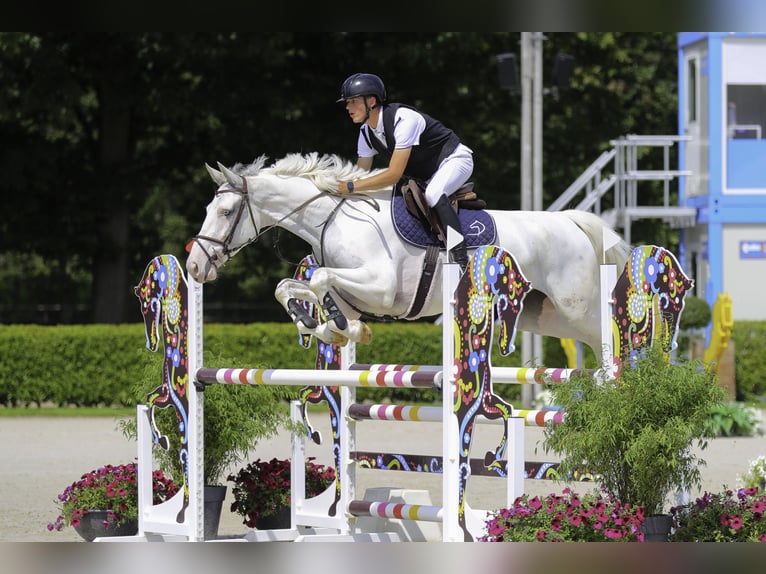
[408, 126]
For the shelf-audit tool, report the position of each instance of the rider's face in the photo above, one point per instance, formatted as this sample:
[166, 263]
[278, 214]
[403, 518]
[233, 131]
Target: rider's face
[356, 109]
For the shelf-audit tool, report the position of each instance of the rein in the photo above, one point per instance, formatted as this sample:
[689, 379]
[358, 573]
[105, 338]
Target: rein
[225, 244]
[229, 251]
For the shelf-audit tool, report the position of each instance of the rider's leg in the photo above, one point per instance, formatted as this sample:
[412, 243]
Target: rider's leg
[453, 172]
[449, 218]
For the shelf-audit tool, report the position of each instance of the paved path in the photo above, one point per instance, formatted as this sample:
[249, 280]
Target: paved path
[40, 456]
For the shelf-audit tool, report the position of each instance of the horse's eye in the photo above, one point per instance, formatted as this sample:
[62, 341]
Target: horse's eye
[226, 212]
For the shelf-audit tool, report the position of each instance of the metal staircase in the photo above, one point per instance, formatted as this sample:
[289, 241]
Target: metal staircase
[625, 206]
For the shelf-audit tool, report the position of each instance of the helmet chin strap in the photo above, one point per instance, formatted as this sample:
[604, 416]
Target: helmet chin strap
[368, 109]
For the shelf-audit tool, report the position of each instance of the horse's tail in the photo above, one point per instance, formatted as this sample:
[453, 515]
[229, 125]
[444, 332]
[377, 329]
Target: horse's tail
[593, 226]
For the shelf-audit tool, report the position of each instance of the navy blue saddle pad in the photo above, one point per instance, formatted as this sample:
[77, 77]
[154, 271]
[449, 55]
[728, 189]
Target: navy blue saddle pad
[478, 226]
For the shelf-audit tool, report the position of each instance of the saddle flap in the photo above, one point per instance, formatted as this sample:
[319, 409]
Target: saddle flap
[415, 200]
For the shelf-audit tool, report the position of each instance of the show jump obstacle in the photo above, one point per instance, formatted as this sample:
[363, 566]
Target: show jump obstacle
[644, 307]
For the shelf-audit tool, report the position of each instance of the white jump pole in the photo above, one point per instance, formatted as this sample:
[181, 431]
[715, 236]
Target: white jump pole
[451, 531]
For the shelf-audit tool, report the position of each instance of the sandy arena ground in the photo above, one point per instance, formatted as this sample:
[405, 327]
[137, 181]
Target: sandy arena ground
[40, 456]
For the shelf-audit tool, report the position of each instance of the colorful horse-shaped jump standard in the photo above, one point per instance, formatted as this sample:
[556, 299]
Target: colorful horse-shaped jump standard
[163, 295]
[492, 289]
[328, 358]
[647, 302]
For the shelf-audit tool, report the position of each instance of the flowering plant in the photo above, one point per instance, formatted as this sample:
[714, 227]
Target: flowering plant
[722, 517]
[569, 517]
[756, 474]
[111, 488]
[261, 487]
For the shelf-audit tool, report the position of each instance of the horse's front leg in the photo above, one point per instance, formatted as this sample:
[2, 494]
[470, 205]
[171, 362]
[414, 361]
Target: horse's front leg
[374, 287]
[291, 293]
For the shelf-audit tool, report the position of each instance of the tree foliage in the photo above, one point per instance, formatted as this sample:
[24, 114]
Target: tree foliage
[106, 135]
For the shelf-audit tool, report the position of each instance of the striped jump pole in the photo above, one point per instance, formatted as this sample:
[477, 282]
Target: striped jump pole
[413, 413]
[396, 510]
[313, 377]
[502, 375]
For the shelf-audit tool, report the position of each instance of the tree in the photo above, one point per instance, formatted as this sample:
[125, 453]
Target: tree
[110, 133]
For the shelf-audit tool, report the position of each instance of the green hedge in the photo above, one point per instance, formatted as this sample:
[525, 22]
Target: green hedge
[749, 339]
[98, 365]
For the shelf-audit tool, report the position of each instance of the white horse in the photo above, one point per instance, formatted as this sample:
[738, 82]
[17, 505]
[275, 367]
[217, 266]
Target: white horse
[367, 268]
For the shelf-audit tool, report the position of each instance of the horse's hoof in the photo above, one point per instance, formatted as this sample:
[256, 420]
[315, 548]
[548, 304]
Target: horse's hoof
[326, 335]
[340, 340]
[366, 337]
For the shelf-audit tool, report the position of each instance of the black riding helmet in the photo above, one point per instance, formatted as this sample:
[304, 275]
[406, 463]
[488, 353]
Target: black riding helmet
[362, 85]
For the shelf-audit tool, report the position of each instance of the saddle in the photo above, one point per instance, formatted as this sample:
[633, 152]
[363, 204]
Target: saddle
[413, 192]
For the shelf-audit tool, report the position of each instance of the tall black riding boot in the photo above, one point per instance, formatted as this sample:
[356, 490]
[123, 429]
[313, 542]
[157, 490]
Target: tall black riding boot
[449, 218]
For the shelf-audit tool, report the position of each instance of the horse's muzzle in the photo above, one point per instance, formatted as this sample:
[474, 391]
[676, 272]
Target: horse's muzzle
[201, 273]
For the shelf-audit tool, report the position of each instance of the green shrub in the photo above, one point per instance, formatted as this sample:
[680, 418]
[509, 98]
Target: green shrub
[235, 418]
[733, 419]
[636, 432]
[696, 314]
[749, 338]
[96, 365]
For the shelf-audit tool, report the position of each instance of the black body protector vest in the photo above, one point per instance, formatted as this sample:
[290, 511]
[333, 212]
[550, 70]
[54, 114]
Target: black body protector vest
[436, 143]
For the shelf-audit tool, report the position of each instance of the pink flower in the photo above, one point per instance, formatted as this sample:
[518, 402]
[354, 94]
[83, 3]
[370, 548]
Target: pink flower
[613, 533]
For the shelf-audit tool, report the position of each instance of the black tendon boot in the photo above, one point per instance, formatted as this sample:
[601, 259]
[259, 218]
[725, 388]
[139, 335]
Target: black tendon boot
[449, 218]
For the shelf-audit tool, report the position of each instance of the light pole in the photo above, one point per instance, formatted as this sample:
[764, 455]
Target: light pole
[531, 171]
[532, 92]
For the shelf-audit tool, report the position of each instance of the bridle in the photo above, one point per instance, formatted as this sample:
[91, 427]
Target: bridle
[228, 251]
[226, 248]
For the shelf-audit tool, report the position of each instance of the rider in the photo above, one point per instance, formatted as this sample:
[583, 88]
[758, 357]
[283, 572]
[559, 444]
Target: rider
[415, 144]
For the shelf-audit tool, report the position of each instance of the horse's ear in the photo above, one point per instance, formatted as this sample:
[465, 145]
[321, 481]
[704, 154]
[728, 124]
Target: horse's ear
[216, 175]
[234, 179]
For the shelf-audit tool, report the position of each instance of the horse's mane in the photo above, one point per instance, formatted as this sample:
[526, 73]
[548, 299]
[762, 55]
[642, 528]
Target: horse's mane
[325, 171]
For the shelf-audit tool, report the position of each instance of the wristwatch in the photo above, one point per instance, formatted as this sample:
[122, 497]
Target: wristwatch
[350, 186]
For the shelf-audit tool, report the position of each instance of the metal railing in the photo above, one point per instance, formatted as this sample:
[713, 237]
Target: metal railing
[624, 180]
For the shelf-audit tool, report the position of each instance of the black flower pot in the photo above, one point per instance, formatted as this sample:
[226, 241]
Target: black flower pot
[278, 521]
[213, 504]
[656, 528]
[92, 526]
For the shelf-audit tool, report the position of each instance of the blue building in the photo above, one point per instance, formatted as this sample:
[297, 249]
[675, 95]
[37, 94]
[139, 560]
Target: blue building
[722, 108]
